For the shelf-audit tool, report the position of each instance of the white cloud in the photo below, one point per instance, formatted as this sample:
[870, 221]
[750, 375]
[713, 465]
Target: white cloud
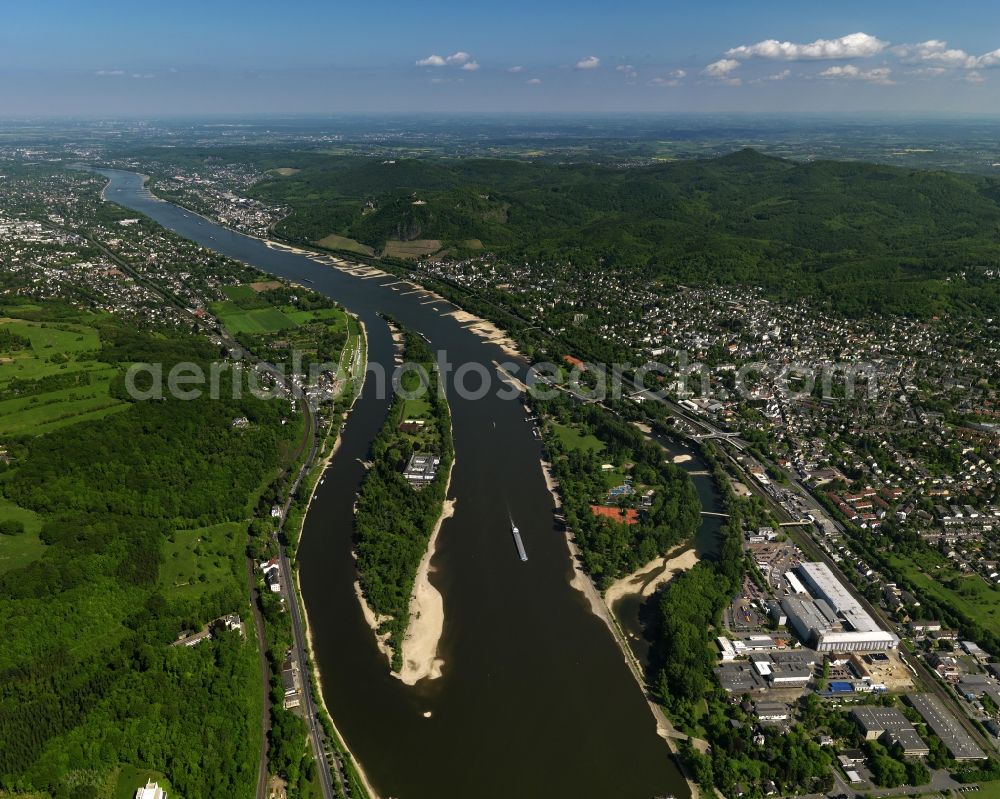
[854, 45]
[109, 72]
[590, 62]
[461, 59]
[785, 73]
[670, 79]
[927, 72]
[143, 75]
[937, 53]
[934, 51]
[515, 69]
[974, 77]
[534, 81]
[720, 70]
[882, 75]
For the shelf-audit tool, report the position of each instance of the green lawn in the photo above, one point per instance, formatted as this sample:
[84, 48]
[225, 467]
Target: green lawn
[197, 561]
[613, 477]
[416, 409]
[239, 292]
[82, 415]
[42, 412]
[53, 349]
[47, 337]
[130, 778]
[335, 317]
[987, 790]
[19, 550]
[258, 320]
[969, 594]
[571, 438]
[56, 349]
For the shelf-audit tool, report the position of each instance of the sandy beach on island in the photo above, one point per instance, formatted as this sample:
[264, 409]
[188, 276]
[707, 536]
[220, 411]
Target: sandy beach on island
[373, 621]
[423, 633]
[645, 581]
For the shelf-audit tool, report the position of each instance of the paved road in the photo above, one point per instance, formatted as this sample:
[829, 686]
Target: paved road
[317, 736]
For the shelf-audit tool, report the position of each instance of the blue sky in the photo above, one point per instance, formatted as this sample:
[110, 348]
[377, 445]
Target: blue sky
[66, 57]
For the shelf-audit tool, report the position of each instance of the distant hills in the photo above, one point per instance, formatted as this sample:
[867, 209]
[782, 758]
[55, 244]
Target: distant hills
[867, 238]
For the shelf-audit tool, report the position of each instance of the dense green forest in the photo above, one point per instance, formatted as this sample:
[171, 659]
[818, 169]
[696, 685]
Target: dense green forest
[867, 237]
[394, 520]
[588, 439]
[88, 682]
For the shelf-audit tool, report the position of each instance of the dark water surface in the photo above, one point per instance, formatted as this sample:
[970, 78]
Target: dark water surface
[536, 699]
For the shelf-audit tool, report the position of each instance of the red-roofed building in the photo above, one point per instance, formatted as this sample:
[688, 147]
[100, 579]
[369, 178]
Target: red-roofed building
[615, 514]
[576, 363]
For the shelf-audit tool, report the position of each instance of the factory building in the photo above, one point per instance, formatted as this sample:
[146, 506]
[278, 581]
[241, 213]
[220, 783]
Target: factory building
[830, 618]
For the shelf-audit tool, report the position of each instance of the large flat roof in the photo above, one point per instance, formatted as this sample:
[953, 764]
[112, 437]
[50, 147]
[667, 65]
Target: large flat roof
[946, 727]
[822, 581]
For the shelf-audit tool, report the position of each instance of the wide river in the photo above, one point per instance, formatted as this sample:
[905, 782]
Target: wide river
[535, 699]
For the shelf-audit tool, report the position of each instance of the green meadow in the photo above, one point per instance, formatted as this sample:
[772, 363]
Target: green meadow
[57, 351]
[197, 561]
[19, 550]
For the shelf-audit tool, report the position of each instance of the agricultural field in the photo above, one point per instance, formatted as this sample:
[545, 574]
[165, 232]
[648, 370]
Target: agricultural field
[241, 292]
[196, 561]
[55, 381]
[335, 242]
[256, 320]
[411, 249]
[281, 323]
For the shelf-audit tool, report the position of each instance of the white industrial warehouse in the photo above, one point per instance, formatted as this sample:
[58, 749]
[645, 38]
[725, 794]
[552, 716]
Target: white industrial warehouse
[823, 613]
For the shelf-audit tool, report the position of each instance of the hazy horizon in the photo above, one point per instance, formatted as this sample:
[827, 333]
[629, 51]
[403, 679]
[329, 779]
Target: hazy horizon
[62, 59]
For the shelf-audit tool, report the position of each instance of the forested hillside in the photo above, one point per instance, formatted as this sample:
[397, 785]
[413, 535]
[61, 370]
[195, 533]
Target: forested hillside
[133, 530]
[866, 237]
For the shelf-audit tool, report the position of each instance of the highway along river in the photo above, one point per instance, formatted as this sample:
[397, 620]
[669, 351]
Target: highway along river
[536, 699]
